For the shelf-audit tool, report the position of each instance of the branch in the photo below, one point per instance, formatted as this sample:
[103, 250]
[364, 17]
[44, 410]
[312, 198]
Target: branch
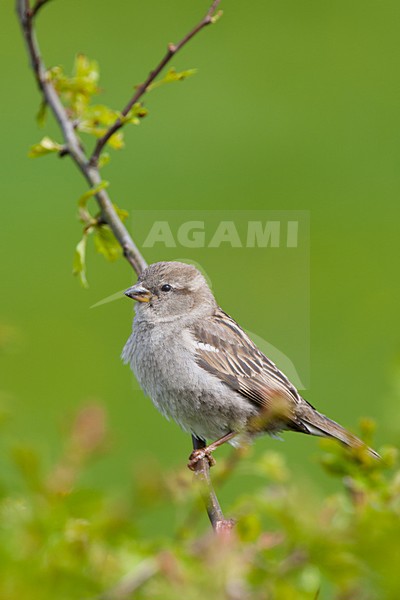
[90, 171]
[72, 143]
[143, 87]
[37, 6]
[214, 511]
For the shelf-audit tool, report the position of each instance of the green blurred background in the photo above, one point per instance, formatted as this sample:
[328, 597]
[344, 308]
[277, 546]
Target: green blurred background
[295, 107]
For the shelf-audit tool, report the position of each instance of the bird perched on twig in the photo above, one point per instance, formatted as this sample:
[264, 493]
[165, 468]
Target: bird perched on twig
[202, 370]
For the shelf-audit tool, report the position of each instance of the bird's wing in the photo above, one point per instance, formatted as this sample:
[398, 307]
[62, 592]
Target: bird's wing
[226, 351]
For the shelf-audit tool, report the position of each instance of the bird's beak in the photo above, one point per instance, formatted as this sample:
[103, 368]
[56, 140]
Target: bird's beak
[138, 292]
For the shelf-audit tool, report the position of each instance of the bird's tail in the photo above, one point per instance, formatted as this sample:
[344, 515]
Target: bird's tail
[318, 424]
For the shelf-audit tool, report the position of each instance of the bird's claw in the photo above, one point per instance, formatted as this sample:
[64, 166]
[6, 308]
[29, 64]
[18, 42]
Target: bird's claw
[198, 455]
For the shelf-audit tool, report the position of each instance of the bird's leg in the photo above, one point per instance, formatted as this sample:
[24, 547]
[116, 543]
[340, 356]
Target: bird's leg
[206, 452]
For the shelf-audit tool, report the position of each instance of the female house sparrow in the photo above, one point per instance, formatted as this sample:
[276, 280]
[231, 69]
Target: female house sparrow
[201, 369]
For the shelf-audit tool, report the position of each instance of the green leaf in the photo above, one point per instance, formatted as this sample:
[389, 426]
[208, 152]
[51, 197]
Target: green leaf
[76, 91]
[42, 113]
[106, 243]
[104, 160]
[83, 200]
[84, 215]
[86, 72]
[45, 146]
[102, 114]
[116, 141]
[97, 119]
[217, 16]
[79, 263]
[135, 115]
[121, 212]
[172, 76]
[92, 192]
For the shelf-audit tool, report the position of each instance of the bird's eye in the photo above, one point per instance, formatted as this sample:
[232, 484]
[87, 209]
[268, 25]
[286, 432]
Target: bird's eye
[166, 287]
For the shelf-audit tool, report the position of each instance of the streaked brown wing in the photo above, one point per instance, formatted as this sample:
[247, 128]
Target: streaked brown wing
[224, 350]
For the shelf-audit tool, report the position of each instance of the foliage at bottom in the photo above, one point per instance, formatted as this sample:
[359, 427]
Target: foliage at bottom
[59, 539]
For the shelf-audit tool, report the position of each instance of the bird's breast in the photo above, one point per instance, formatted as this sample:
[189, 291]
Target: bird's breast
[165, 367]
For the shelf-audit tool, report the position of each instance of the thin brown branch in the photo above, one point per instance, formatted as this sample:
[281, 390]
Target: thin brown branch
[37, 6]
[143, 87]
[72, 143]
[214, 511]
[90, 171]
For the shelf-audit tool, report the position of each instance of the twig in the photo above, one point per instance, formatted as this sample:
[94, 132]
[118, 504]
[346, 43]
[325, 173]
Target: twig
[90, 171]
[214, 511]
[72, 143]
[37, 6]
[142, 88]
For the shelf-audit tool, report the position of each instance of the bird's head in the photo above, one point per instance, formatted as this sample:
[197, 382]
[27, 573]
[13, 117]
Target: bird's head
[167, 290]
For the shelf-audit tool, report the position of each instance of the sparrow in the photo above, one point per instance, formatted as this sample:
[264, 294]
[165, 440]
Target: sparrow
[203, 371]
